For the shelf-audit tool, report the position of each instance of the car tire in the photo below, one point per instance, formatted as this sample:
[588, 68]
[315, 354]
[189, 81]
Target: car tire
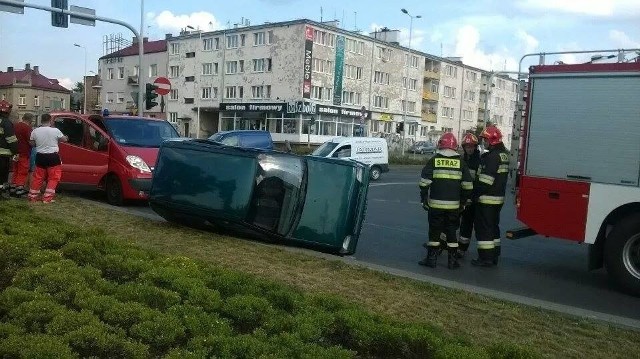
[622, 254]
[115, 196]
[375, 173]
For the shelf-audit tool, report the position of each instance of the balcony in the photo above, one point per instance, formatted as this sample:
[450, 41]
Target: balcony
[429, 117]
[432, 74]
[430, 95]
[132, 80]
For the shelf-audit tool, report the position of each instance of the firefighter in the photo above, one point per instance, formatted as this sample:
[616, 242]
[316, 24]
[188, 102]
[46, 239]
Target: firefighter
[21, 172]
[445, 186]
[8, 147]
[490, 186]
[471, 157]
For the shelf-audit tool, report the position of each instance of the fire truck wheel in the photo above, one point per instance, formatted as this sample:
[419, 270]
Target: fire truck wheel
[622, 254]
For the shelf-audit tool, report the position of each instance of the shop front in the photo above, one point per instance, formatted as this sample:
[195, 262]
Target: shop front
[297, 122]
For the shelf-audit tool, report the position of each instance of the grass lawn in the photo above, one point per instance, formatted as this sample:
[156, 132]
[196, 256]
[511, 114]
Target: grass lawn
[468, 318]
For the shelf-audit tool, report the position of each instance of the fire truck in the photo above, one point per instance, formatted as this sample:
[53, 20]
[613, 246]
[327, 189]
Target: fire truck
[576, 145]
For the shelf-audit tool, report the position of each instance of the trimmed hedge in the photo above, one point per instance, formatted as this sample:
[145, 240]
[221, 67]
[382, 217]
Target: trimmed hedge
[71, 293]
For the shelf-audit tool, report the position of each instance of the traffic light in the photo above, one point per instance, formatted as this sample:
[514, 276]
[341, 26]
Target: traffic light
[150, 96]
[58, 19]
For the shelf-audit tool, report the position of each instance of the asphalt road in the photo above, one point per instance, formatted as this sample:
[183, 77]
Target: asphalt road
[542, 270]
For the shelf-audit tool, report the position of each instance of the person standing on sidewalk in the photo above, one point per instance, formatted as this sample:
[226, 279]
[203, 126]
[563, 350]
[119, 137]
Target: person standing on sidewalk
[8, 147]
[445, 186]
[48, 164]
[471, 157]
[21, 172]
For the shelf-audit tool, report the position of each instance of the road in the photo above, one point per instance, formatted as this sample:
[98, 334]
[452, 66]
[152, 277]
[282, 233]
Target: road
[546, 272]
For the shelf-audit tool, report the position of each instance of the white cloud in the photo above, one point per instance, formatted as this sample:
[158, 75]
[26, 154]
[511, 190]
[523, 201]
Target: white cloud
[530, 42]
[67, 83]
[621, 39]
[203, 20]
[599, 8]
[467, 47]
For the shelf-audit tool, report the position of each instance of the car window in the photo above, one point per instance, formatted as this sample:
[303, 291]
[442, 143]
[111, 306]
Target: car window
[277, 193]
[255, 141]
[140, 132]
[95, 140]
[73, 128]
[231, 140]
[344, 151]
[325, 149]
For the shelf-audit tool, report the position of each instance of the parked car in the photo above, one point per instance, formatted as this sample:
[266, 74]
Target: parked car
[116, 154]
[372, 151]
[277, 196]
[245, 138]
[423, 148]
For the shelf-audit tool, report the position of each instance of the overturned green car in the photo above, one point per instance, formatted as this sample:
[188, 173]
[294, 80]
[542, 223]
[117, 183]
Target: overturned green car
[284, 198]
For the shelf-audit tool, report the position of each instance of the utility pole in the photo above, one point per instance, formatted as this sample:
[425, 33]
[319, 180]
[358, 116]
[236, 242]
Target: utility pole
[406, 89]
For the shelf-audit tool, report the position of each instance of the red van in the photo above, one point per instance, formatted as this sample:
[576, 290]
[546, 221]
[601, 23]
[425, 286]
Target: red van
[116, 153]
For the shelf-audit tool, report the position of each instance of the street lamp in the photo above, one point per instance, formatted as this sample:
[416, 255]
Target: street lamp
[195, 83]
[84, 79]
[406, 88]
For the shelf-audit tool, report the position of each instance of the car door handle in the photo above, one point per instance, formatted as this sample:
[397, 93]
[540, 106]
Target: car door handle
[554, 195]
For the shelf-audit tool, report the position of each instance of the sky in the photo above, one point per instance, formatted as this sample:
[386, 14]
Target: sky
[489, 34]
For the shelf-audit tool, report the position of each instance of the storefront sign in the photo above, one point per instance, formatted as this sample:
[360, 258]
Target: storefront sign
[339, 70]
[308, 55]
[386, 117]
[254, 107]
[297, 107]
[308, 108]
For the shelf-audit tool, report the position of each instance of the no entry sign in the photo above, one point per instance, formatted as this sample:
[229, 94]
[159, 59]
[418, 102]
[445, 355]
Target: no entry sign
[164, 86]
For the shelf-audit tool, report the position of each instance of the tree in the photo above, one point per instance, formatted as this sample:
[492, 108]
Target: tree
[79, 87]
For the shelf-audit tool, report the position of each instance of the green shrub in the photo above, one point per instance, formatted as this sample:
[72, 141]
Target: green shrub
[154, 297]
[94, 301]
[510, 351]
[41, 257]
[247, 312]
[122, 269]
[198, 323]
[12, 297]
[95, 341]
[67, 321]
[125, 315]
[8, 329]
[207, 299]
[36, 314]
[81, 252]
[35, 347]
[160, 333]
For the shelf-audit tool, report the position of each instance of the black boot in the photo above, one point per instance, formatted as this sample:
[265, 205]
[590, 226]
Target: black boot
[4, 192]
[485, 258]
[431, 258]
[459, 253]
[18, 192]
[496, 254]
[453, 261]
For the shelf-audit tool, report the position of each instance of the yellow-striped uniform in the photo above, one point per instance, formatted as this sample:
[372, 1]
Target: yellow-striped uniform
[445, 186]
[490, 186]
[467, 217]
[8, 148]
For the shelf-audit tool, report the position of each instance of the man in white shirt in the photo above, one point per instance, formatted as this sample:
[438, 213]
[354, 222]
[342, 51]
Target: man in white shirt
[48, 164]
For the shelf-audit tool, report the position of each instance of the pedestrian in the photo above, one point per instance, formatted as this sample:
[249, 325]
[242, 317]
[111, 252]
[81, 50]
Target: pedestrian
[48, 164]
[8, 147]
[490, 187]
[23, 133]
[470, 156]
[445, 186]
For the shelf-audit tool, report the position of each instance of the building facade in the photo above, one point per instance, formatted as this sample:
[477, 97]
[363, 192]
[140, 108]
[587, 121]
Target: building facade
[30, 91]
[118, 73]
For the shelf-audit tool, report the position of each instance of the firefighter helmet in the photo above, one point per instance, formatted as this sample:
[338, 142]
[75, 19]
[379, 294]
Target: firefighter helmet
[5, 106]
[492, 134]
[448, 141]
[470, 139]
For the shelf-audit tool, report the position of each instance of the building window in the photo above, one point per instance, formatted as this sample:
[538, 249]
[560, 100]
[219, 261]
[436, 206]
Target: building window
[471, 76]
[412, 60]
[173, 95]
[120, 97]
[243, 39]
[322, 66]
[190, 55]
[380, 102]
[447, 112]
[36, 101]
[63, 106]
[173, 117]
[413, 83]
[435, 85]
[174, 71]
[207, 44]
[206, 93]
[109, 98]
[258, 38]
[175, 48]
[324, 38]
[353, 72]
[232, 41]
[110, 73]
[232, 67]
[153, 70]
[270, 37]
[355, 46]
[258, 92]
[351, 98]
[22, 101]
[207, 69]
[188, 100]
[451, 71]
[469, 95]
[411, 108]
[241, 66]
[381, 78]
[321, 93]
[189, 79]
[449, 92]
[234, 92]
[467, 115]
[120, 73]
[384, 54]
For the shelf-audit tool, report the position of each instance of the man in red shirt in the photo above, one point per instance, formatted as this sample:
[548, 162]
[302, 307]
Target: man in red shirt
[21, 172]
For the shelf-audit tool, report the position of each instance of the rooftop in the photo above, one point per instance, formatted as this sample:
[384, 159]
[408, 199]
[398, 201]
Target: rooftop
[149, 47]
[30, 76]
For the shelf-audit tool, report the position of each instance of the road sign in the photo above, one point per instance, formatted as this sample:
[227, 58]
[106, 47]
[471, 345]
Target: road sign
[12, 8]
[83, 10]
[164, 86]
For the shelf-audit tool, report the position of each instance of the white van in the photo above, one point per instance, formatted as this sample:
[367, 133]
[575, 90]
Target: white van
[372, 151]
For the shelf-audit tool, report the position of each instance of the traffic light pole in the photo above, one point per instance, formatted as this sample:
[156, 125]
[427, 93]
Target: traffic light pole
[86, 16]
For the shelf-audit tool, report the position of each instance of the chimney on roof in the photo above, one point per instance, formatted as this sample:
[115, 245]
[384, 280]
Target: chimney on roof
[135, 40]
[27, 66]
[9, 69]
[145, 39]
[167, 36]
[36, 69]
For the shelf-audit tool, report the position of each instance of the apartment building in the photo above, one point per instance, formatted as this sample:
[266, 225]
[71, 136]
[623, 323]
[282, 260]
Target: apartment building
[119, 72]
[302, 80]
[30, 91]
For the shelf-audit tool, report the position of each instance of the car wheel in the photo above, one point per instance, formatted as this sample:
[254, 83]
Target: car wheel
[375, 173]
[622, 254]
[115, 197]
